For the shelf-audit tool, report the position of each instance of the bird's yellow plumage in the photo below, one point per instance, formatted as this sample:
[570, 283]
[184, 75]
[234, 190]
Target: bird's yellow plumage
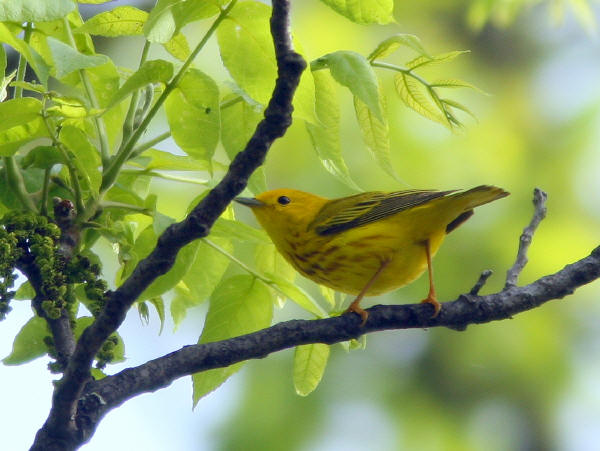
[369, 243]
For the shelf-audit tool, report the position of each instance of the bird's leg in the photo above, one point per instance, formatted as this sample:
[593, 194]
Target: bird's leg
[355, 307]
[431, 297]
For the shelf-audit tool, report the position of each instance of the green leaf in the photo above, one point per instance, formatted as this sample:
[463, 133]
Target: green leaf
[375, 133]
[153, 159]
[86, 158]
[25, 292]
[201, 279]
[240, 231]
[178, 47]
[325, 135]
[268, 260]
[20, 123]
[424, 60]
[29, 342]
[15, 112]
[328, 295]
[105, 82]
[34, 10]
[34, 87]
[459, 106]
[364, 11]
[414, 96]
[238, 306]
[309, 365]
[42, 157]
[6, 79]
[455, 83]
[159, 305]
[121, 21]
[153, 71]
[247, 52]
[194, 116]
[37, 63]
[67, 59]
[167, 281]
[169, 16]
[297, 295]
[352, 70]
[393, 43]
[238, 120]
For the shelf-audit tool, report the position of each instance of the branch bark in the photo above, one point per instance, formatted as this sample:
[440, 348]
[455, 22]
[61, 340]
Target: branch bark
[467, 309]
[62, 430]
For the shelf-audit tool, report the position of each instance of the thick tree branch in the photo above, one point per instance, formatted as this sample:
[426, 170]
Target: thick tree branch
[61, 429]
[112, 391]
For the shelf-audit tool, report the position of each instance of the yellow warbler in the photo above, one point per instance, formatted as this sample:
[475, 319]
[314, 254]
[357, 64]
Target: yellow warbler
[369, 243]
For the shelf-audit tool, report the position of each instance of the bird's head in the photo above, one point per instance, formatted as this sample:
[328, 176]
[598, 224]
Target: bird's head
[284, 211]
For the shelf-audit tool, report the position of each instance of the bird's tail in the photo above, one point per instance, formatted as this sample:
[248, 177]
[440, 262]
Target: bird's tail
[465, 201]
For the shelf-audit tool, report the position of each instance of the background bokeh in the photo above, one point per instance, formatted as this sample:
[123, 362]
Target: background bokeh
[526, 383]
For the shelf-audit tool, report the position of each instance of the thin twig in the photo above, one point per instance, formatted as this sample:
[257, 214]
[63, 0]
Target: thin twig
[485, 275]
[539, 203]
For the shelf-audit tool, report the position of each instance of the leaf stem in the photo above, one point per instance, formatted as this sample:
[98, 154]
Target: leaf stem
[89, 90]
[230, 102]
[149, 144]
[13, 173]
[129, 119]
[68, 160]
[165, 176]
[110, 175]
[242, 265]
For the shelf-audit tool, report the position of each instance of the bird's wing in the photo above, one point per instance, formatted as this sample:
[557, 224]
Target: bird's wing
[354, 211]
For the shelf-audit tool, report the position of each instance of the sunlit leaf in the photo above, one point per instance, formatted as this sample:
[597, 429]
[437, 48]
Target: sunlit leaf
[352, 70]
[364, 11]
[121, 21]
[194, 116]
[240, 231]
[153, 71]
[34, 10]
[247, 52]
[297, 295]
[204, 275]
[153, 159]
[393, 43]
[325, 135]
[67, 59]
[85, 155]
[414, 96]
[375, 133]
[37, 63]
[169, 16]
[309, 365]
[178, 47]
[455, 83]
[29, 342]
[239, 305]
[20, 123]
[424, 60]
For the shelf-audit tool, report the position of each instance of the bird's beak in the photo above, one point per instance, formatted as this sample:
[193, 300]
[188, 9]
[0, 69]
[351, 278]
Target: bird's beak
[249, 202]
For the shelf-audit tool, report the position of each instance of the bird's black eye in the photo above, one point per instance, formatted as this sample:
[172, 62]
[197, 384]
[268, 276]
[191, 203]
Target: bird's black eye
[283, 200]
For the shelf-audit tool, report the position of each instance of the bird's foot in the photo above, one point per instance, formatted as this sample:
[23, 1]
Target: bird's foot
[356, 308]
[434, 302]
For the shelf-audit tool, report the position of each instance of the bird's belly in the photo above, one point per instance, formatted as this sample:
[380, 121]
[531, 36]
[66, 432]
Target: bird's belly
[348, 266]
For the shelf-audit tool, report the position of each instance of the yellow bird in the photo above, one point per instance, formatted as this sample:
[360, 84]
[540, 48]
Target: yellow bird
[369, 243]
